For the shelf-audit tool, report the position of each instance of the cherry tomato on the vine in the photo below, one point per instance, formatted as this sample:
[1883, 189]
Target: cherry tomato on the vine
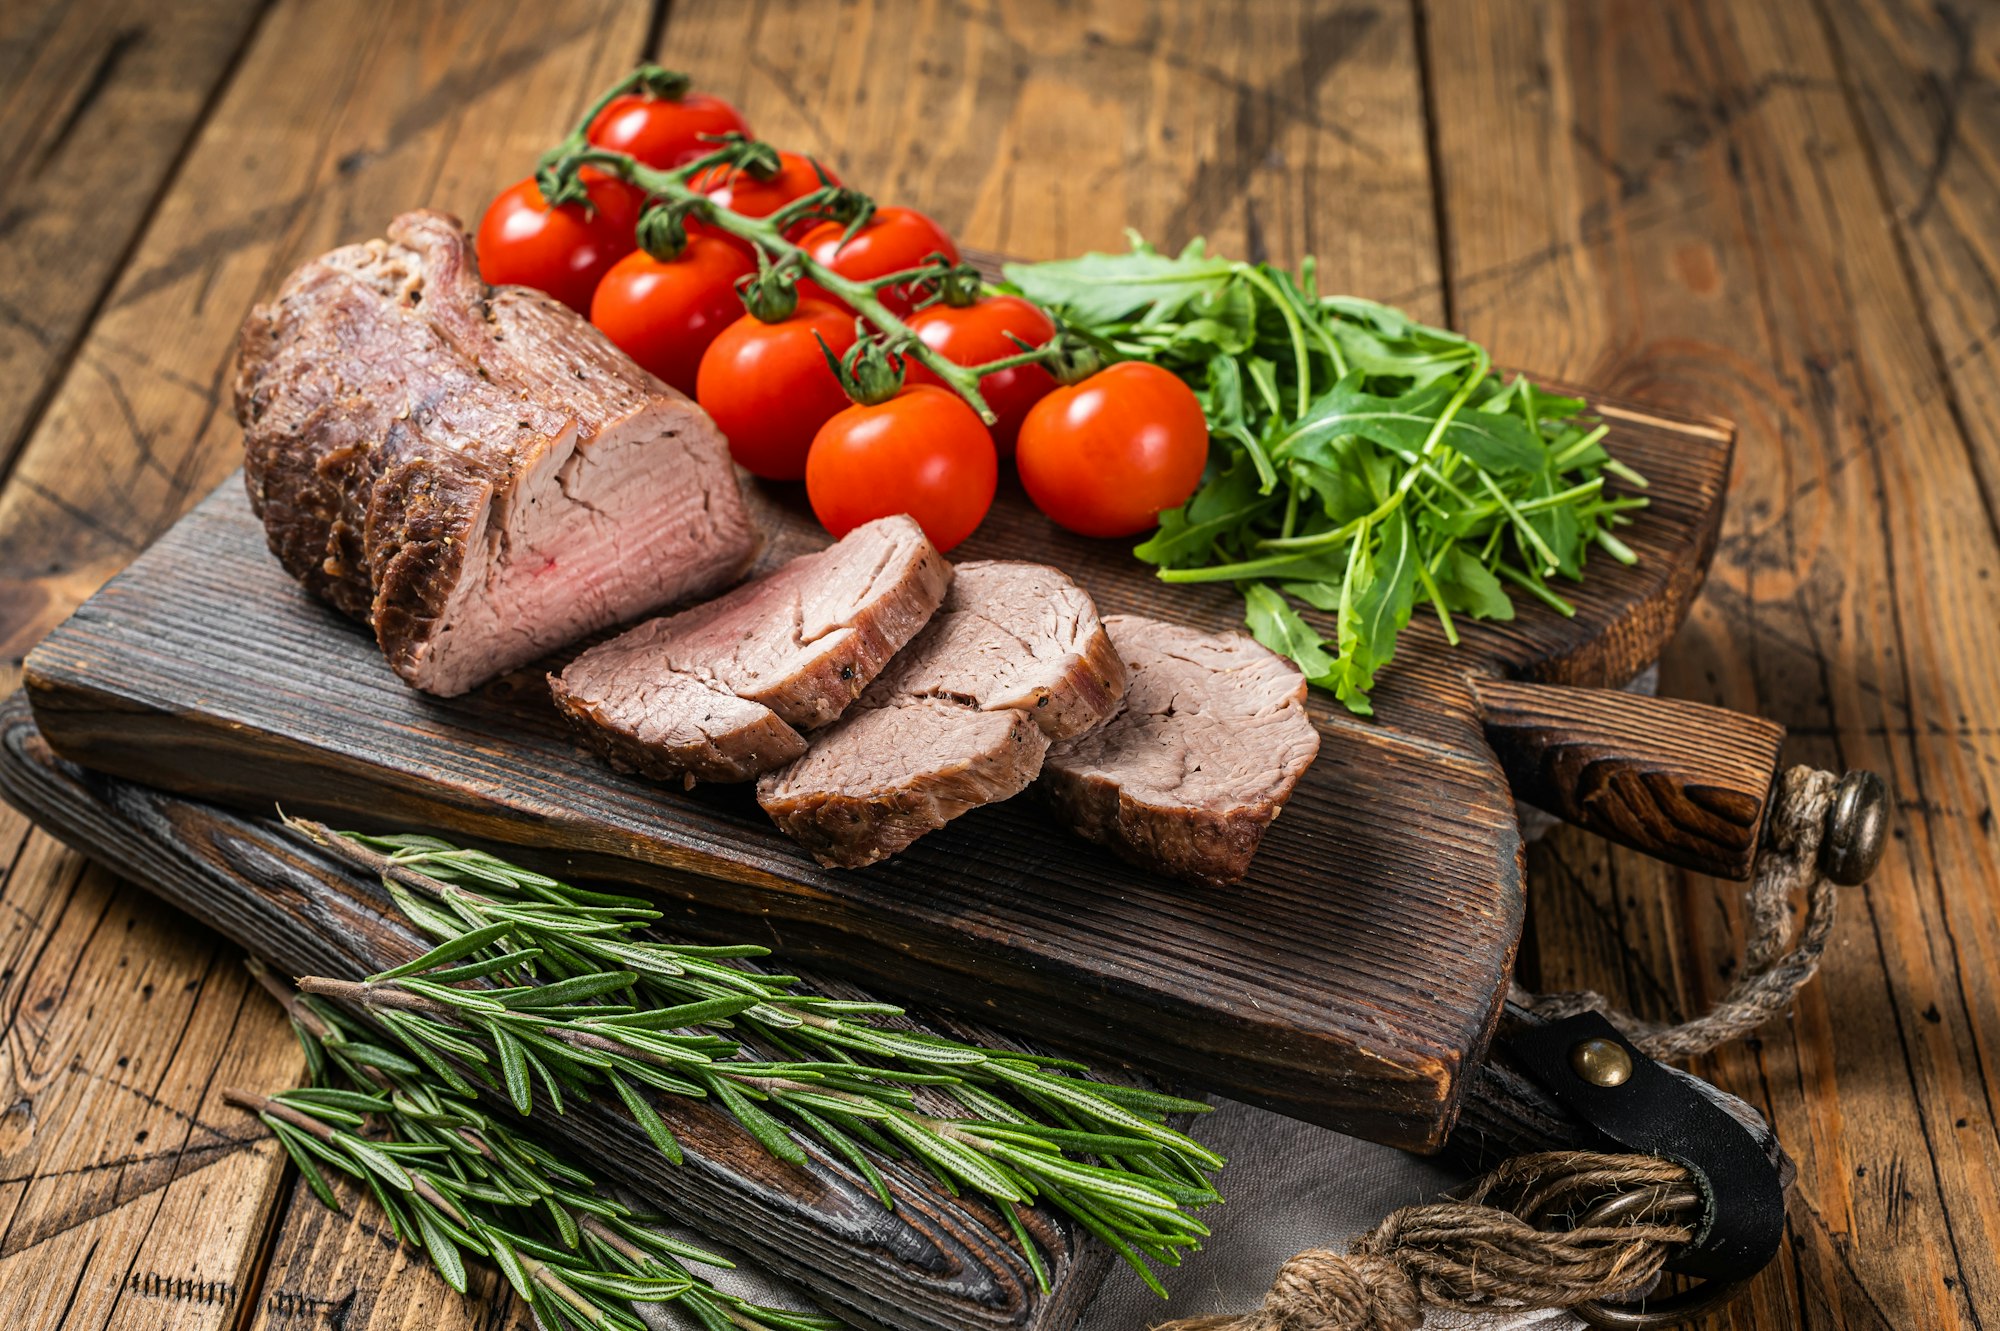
[769, 388]
[892, 240]
[665, 314]
[563, 251]
[664, 132]
[923, 452]
[977, 333]
[1104, 457]
[737, 190]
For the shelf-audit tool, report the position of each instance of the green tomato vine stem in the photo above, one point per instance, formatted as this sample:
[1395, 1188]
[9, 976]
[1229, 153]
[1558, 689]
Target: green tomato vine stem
[673, 189]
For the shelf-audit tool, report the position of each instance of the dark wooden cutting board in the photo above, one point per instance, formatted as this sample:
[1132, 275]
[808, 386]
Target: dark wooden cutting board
[936, 1261]
[1349, 981]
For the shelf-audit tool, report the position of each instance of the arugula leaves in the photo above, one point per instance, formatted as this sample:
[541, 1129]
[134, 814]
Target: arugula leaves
[1361, 463]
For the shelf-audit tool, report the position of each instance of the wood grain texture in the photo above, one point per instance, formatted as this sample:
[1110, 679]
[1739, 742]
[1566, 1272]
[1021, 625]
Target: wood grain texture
[1042, 128]
[1924, 81]
[129, 1193]
[1699, 205]
[332, 110]
[1333, 998]
[934, 1261]
[97, 100]
[344, 1271]
[1680, 201]
[1685, 782]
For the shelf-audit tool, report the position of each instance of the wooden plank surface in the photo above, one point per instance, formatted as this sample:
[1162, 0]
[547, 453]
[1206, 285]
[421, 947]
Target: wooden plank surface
[335, 111]
[1921, 78]
[345, 1270]
[1043, 129]
[1718, 207]
[98, 99]
[1680, 200]
[132, 1195]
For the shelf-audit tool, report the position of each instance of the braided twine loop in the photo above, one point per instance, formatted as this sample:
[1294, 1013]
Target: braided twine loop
[1485, 1250]
[1775, 963]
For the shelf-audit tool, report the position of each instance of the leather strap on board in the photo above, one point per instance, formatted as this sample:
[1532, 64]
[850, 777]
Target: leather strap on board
[1656, 1113]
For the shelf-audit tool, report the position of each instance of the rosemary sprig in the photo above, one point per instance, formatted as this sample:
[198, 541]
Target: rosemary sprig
[455, 1181]
[537, 988]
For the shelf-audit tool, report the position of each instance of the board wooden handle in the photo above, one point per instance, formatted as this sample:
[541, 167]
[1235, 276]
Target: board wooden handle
[1682, 781]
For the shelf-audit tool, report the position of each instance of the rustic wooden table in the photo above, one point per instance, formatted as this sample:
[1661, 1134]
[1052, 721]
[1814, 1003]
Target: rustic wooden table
[1786, 213]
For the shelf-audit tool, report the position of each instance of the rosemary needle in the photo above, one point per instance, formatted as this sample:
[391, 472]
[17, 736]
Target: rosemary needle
[538, 991]
[453, 1181]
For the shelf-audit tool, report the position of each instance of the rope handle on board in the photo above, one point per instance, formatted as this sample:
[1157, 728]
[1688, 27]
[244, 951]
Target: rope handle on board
[1824, 833]
[1586, 1230]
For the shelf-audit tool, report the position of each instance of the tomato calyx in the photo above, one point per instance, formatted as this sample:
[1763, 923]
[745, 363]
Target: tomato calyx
[669, 85]
[836, 203]
[923, 277]
[561, 183]
[771, 294]
[662, 230]
[960, 286]
[757, 158]
[870, 373]
[1069, 358]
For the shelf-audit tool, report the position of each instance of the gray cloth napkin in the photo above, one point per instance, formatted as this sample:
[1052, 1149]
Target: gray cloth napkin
[1290, 1186]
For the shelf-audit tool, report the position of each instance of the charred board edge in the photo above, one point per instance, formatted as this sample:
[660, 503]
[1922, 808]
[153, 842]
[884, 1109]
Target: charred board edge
[1402, 1092]
[935, 1262]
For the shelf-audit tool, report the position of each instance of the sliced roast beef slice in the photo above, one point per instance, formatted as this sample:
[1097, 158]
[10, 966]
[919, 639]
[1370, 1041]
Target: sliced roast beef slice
[1211, 739]
[1017, 636]
[477, 473]
[885, 776]
[807, 639]
[679, 727]
[792, 649]
[961, 718]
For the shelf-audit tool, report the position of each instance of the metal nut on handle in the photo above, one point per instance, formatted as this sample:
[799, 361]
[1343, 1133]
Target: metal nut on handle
[1857, 829]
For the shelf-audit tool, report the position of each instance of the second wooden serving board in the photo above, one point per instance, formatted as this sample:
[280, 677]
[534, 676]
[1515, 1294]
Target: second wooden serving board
[1351, 980]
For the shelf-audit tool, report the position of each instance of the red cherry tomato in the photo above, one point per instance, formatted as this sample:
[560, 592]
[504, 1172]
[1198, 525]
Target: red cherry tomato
[1106, 456]
[665, 315]
[893, 239]
[665, 131]
[976, 333]
[738, 190]
[769, 388]
[924, 452]
[563, 251]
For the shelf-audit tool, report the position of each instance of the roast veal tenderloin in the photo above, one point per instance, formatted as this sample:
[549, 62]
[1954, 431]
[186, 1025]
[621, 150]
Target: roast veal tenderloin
[476, 472]
[720, 692]
[1205, 750]
[1014, 659]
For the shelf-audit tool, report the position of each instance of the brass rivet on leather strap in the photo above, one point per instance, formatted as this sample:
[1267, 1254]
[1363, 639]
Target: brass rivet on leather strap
[1601, 1062]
